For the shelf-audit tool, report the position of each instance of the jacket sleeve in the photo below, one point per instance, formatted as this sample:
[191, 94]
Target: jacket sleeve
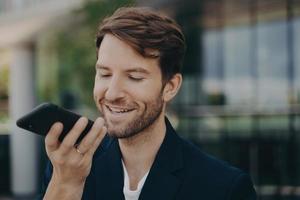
[88, 190]
[46, 179]
[242, 188]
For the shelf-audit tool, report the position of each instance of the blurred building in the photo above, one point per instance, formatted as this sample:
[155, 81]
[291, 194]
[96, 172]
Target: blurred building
[241, 91]
[240, 99]
[22, 22]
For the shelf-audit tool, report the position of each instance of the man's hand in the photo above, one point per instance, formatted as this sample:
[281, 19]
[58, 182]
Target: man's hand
[71, 163]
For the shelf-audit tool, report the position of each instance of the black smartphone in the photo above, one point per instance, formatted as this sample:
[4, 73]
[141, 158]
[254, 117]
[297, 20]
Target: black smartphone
[41, 118]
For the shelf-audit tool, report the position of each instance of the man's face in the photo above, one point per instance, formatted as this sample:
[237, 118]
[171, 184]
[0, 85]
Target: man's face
[128, 88]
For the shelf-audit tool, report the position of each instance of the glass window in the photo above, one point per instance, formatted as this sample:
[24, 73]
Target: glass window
[237, 51]
[297, 123]
[274, 125]
[212, 46]
[239, 126]
[297, 57]
[239, 87]
[272, 63]
[189, 92]
[212, 62]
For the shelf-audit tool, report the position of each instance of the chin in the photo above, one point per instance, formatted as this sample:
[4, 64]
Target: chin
[120, 135]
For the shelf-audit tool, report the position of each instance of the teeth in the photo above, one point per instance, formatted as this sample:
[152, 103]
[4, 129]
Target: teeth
[120, 111]
[117, 110]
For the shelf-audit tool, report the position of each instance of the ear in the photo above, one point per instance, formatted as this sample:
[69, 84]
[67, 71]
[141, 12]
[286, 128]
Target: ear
[172, 87]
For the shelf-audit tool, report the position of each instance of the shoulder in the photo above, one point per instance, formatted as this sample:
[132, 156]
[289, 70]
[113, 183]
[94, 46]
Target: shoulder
[210, 174]
[199, 161]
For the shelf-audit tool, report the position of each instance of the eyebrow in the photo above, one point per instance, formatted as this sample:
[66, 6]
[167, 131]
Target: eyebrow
[131, 70]
[139, 70]
[97, 66]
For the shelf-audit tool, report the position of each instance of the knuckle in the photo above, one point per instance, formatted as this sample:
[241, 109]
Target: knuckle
[59, 160]
[67, 145]
[50, 145]
[83, 146]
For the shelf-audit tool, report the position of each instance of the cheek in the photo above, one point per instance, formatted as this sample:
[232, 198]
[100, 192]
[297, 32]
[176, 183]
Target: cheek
[98, 91]
[147, 92]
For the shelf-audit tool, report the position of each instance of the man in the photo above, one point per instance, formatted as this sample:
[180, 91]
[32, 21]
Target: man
[139, 54]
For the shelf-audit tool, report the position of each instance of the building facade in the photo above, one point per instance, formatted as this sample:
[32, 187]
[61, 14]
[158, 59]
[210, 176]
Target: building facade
[240, 99]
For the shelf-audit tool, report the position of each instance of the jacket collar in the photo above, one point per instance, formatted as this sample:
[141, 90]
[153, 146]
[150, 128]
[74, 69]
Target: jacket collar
[162, 181]
[109, 174]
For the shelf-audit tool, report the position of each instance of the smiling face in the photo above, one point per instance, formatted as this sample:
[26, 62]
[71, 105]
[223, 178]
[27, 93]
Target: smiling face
[128, 88]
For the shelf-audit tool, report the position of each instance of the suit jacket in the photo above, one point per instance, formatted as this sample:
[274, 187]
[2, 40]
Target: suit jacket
[180, 172]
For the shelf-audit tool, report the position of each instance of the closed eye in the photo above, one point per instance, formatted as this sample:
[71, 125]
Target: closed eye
[105, 75]
[134, 78]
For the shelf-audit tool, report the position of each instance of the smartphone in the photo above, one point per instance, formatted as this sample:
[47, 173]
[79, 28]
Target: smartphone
[41, 118]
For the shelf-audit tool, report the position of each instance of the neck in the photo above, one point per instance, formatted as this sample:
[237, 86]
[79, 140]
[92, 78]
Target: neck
[139, 151]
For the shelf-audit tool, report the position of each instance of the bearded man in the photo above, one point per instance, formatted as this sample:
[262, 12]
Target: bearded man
[132, 152]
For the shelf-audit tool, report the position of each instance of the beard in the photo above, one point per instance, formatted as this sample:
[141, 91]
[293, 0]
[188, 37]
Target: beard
[139, 123]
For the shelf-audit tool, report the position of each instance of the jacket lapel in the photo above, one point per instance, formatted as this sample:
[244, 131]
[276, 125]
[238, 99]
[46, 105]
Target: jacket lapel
[109, 174]
[163, 180]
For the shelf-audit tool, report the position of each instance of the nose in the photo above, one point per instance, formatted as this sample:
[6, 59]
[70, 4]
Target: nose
[115, 90]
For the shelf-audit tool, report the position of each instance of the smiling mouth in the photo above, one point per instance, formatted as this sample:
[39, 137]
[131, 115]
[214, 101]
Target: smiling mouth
[118, 110]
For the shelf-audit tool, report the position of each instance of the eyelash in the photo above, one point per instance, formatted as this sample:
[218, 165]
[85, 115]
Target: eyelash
[130, 77]
[105, 75]
[136, 79]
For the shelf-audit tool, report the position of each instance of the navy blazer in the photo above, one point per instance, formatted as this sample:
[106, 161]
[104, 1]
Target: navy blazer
[180, 172]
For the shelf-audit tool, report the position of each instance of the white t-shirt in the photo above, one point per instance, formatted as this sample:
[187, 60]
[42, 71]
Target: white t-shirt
[132, 194]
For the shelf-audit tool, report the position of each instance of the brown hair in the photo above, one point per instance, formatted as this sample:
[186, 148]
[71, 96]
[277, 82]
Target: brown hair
[151, 34]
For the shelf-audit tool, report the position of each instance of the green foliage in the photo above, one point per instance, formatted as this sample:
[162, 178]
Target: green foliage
[97, 10]
[76, 48]
[4, 75]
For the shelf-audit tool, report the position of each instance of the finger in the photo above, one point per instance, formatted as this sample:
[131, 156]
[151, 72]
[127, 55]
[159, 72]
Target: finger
[71, 137]
[51, 140]
[90, 138]
[97, 142]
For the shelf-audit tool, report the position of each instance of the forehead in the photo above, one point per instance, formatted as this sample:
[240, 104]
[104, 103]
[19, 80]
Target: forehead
[117, 54]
